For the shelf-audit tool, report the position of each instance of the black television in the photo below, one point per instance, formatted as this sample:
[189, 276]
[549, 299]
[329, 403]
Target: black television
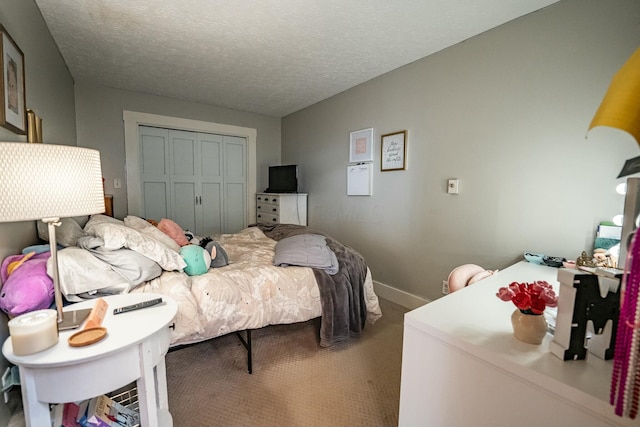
[283, 179]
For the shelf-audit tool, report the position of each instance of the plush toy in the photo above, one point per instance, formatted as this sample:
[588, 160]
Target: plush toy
[197, 259]
[218, 255]
[27, 287]
[192, 238]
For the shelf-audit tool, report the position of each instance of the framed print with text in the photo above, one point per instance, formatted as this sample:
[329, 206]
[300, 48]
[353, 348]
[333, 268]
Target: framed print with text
[394, 151]
[361, 146]
[13, 114]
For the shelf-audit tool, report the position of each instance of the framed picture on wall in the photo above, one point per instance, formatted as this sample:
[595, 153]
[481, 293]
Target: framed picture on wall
[394, 151]
[13, 114]
[361, 146]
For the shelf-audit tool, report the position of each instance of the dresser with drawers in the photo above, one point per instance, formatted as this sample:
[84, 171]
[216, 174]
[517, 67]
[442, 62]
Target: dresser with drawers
[281, 208]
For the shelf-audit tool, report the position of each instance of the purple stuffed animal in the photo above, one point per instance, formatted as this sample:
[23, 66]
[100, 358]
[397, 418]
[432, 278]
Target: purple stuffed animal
[27, 287]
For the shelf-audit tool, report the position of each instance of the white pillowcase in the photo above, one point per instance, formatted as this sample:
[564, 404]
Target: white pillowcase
[144, 227]
[116, 235]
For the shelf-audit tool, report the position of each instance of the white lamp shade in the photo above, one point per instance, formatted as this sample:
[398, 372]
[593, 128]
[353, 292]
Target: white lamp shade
[40, 181]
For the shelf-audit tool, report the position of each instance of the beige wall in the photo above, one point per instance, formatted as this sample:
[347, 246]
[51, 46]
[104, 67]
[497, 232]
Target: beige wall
[505, 112]
[49, 90]
[100, 126]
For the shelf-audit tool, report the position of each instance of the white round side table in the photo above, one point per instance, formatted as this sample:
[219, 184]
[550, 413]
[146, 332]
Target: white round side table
[133, 350]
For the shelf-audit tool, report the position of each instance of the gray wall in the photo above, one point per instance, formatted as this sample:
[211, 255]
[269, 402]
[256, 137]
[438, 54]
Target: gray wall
[505, 112]
[49, 89]
[100, 126]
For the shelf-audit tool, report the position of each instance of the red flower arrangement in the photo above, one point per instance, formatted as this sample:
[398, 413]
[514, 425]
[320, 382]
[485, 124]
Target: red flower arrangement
[530, 298]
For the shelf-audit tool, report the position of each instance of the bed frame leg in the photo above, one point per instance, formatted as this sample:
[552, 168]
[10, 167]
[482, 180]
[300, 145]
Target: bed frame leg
[247, 344]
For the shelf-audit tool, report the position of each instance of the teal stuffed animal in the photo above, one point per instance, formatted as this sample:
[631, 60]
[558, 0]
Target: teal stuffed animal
[197, 258]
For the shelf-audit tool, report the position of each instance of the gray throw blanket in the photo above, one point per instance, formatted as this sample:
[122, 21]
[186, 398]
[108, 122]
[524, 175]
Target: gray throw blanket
[344, 311]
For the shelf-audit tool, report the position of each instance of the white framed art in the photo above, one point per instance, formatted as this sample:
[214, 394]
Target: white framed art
[361, 146]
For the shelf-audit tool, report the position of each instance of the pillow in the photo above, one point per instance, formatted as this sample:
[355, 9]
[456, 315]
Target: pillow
[67, 233]
[118, 236]
[82, 275]
[145, 227]
[131, 265]
[306, 250]
[173, 230]
[37, 249]
[104, 218]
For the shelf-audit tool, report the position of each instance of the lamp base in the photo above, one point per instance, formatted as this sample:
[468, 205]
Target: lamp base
[73, 319]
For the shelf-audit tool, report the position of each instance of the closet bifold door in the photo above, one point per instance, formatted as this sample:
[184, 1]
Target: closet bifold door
[154, 172]
[199, 180]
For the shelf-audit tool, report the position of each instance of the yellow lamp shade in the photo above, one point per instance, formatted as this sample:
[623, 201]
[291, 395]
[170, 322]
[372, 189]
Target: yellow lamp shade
[620, 107]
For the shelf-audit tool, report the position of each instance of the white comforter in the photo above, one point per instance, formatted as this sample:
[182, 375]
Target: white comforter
[248, 293]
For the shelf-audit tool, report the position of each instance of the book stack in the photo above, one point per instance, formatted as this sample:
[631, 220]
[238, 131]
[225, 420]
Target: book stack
[101, 411]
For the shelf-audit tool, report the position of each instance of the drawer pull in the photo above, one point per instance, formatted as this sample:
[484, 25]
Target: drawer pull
[274, 200]
[275, 209]
[259, 207]
[274, 220]
[259, 216]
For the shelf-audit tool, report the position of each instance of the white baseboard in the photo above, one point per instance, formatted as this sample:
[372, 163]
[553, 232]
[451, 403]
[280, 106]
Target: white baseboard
[397, 296]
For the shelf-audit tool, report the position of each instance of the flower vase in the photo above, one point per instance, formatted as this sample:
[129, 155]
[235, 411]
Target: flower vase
[529, 328]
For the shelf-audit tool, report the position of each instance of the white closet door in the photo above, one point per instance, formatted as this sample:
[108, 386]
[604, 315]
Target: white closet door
[235, 183]
[185, 170]
[213, 201]
[198, 180]
[154, 171]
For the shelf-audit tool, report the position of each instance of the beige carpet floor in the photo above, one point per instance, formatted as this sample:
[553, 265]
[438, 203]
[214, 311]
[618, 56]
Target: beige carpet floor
[295, 382]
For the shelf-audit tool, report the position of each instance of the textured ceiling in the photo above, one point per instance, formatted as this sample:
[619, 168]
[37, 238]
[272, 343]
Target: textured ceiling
[271, 57]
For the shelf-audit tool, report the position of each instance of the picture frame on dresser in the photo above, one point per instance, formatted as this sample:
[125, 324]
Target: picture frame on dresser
[13, 114]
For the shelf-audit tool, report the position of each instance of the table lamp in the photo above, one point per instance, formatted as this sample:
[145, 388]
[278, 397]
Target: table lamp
[48, 182]
[620, 109]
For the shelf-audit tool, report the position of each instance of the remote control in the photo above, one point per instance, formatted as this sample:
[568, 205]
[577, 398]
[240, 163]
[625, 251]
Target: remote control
[137, 306]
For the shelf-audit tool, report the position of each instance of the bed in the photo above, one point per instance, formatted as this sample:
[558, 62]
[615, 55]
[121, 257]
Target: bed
[112, 256]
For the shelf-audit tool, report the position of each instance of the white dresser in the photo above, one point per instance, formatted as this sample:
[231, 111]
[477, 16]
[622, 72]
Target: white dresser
[281, 208]
[462, 366]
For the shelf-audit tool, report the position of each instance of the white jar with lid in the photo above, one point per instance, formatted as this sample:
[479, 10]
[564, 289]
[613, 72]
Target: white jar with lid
[33, 332]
